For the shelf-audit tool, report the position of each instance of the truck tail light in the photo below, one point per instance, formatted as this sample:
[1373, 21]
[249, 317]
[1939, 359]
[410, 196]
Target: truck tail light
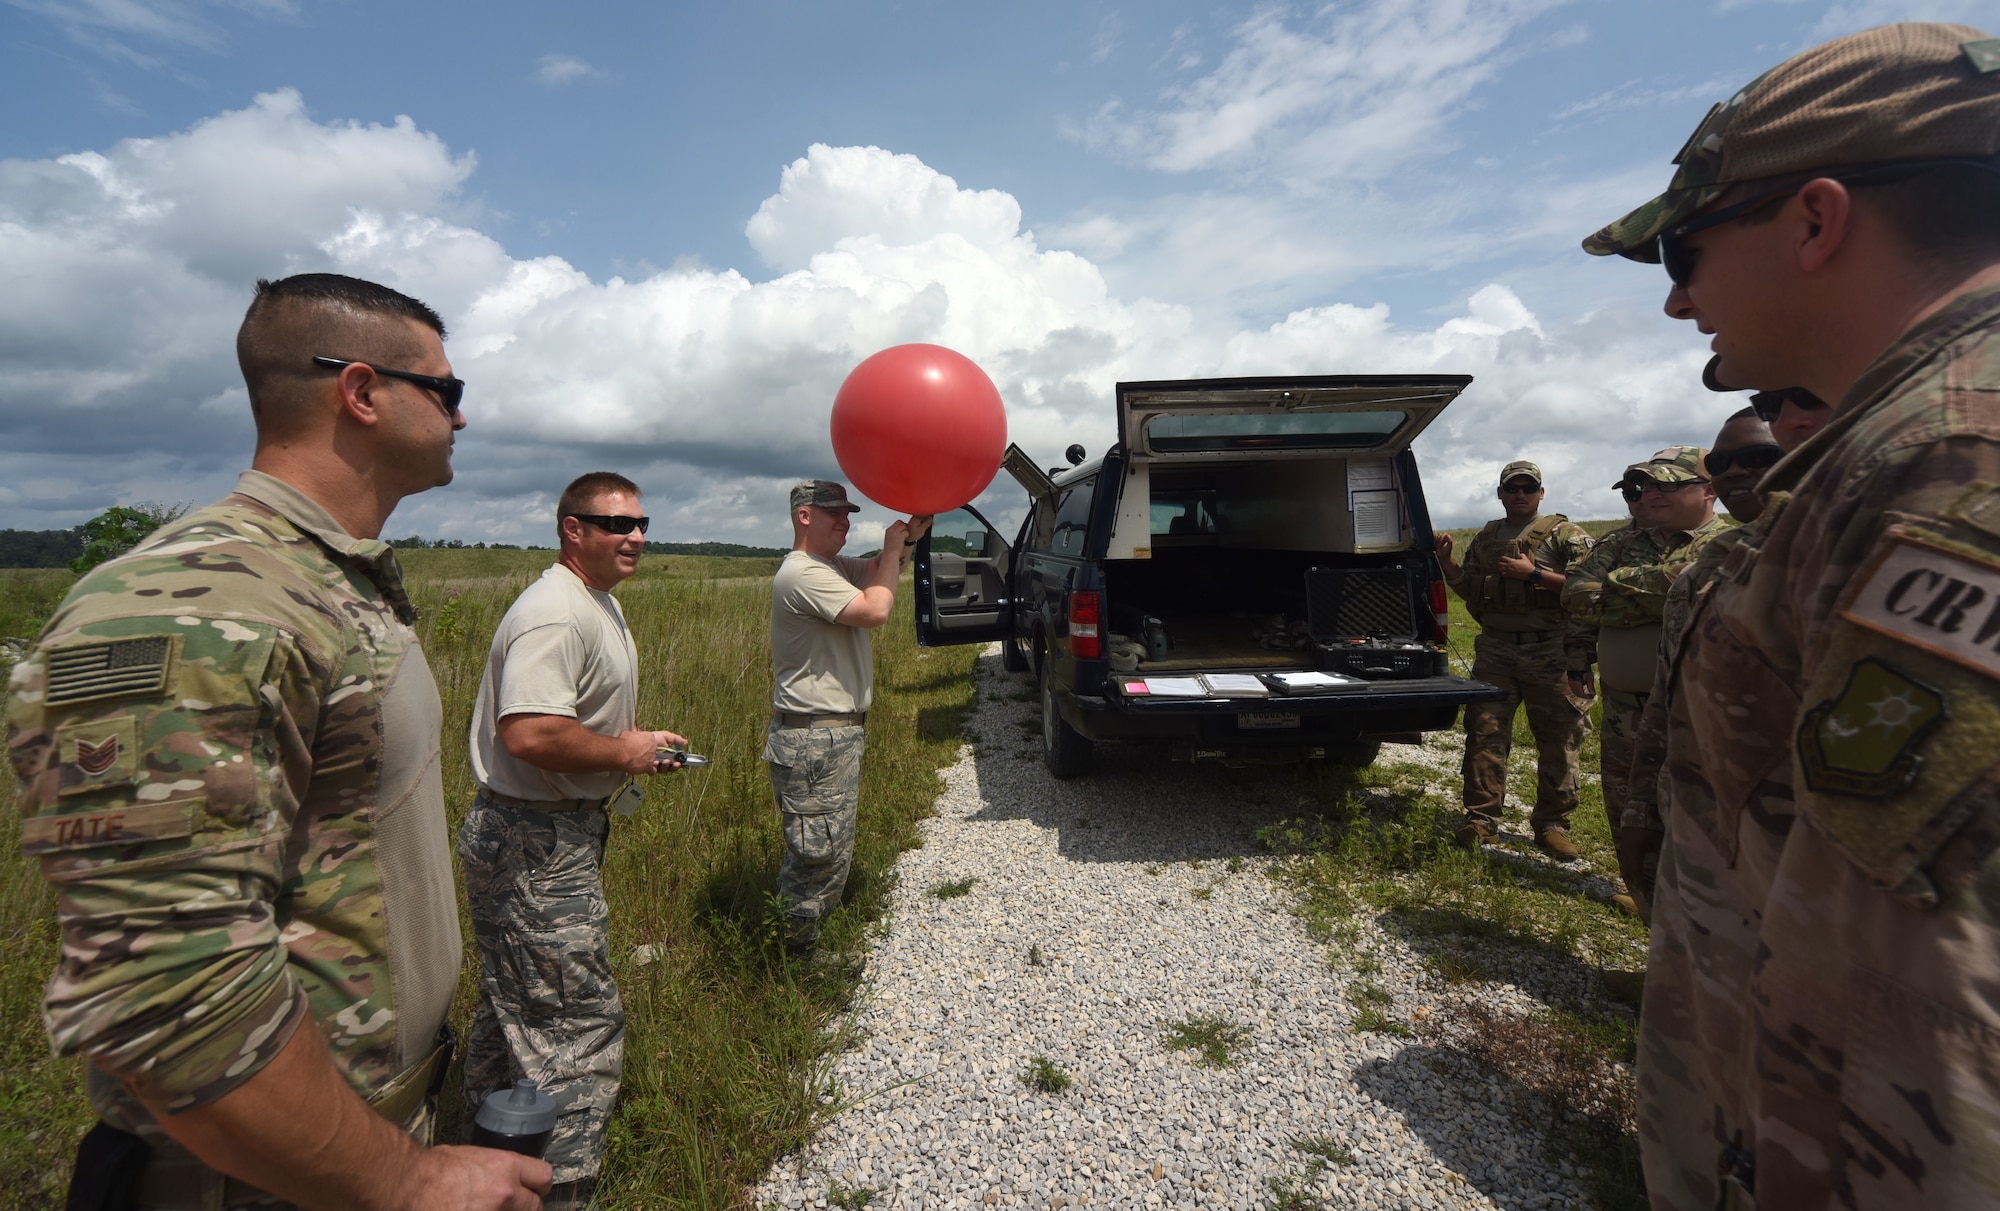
[1440, 611]
[1085, 609]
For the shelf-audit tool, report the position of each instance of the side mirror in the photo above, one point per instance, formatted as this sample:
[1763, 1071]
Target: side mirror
[1075, 454]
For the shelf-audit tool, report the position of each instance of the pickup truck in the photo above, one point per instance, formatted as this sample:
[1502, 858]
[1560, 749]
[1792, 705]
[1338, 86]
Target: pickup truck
[1246, 575]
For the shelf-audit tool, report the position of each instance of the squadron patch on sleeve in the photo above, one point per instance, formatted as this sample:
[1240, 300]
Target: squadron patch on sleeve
[1863, 742]
[1940, 600]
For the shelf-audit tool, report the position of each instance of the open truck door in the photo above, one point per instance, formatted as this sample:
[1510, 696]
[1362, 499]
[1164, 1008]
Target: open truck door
[964, 570]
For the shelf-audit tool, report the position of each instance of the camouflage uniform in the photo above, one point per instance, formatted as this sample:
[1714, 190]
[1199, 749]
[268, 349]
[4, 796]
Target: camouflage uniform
[1821, 1024]
[1622, 585]
[1520, 649]
[548, 1007]
[816, 772]
[228, 747]
[1868, 1024]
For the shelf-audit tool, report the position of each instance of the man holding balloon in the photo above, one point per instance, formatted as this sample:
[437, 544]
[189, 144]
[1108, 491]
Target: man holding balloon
[823, 604]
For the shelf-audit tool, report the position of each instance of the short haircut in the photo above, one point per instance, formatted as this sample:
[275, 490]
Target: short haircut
[1946, 215]
[585, 491]
[293, 320]
[1744, 414]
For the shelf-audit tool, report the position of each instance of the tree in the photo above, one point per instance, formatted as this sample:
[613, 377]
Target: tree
[120, 528]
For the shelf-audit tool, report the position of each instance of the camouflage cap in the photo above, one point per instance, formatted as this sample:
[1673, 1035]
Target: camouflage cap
[1673, 465]
[1913, 91]
[824, 493]
[1520, 466]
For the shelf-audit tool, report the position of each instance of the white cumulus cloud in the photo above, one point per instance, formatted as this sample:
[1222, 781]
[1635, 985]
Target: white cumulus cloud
[710, 386]
[564, 69]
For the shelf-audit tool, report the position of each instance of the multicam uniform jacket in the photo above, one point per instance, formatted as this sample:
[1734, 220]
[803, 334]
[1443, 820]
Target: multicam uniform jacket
[1623, 582]
[1515, 605]
[1832, 787]
[228, 744]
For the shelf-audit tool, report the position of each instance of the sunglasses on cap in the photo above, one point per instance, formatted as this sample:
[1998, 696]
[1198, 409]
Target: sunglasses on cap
[1750, 458]
[449, 390]
[1678, 258]
[613, 522]
[1768, 404]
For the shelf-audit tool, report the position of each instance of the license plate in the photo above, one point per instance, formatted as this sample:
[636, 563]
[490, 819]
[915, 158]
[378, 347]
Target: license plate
[1267, 719]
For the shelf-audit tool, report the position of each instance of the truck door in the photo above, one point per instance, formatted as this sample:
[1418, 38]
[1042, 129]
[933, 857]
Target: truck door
[963, 569]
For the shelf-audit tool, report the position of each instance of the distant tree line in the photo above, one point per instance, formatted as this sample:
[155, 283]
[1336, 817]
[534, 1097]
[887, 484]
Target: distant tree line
[118, 529]
[733, 550]
[81, 548]
[40, 548]
[416, 543]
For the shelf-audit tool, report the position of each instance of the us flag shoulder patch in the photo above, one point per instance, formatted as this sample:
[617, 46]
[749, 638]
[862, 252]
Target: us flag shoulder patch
[116, 668]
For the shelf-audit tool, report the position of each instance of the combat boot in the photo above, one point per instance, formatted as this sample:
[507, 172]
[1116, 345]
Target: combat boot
[1474, 833]
[1554, 841]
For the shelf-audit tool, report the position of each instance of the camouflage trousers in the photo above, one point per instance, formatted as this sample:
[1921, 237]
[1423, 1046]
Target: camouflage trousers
[816, 772]
[1532, 674]
[548, 1007]
[1622, 714]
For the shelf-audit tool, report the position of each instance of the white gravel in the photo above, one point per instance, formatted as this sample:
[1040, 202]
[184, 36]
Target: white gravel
[1101, 880]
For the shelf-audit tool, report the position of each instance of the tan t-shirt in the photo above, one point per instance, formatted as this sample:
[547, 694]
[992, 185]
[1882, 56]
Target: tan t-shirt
[820, 666]
[562, 649]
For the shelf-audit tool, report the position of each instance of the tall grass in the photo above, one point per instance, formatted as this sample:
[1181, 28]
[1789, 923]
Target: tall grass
[728, 1042]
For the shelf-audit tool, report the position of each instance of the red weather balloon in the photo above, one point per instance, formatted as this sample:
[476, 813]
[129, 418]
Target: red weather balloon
[919, 428]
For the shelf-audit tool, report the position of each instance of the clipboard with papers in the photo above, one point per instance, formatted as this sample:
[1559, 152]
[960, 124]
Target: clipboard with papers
[1310, 682]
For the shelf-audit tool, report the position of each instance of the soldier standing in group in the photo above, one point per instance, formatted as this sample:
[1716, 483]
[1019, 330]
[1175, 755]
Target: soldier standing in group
[823, 604]
[552, 741]
[1743, 452]
[1615, 599]
[227, 741]
[1512, 582]
[1822, 1026]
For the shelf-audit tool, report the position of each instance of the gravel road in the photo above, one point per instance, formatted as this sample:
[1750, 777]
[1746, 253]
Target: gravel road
[1104, 909]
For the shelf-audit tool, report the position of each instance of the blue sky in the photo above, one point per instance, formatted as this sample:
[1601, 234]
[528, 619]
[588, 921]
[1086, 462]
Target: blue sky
[664, 232]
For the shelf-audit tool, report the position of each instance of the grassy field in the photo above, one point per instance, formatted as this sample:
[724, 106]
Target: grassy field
[1375, 845]
[727, 1041]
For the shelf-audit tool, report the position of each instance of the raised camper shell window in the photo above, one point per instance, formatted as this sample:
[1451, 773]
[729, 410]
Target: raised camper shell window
[1191, 433]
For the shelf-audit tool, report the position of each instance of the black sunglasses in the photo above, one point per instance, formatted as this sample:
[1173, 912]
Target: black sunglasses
[1768, 404]
[1750, 458]
[449, 390]
[613, 522]
[1679, 259]
[1522, 489]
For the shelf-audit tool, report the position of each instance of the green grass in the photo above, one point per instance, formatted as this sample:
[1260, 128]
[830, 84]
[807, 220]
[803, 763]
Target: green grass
[1375, 845]
[1216, 1039]
[1043, 1075]
[728, 1042]
[850, 1198]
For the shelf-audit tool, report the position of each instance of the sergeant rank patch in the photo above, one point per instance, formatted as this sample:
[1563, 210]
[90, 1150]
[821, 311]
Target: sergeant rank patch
[1863, 742]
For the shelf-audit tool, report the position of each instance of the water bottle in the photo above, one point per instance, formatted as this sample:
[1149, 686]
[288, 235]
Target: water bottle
[519, 1119]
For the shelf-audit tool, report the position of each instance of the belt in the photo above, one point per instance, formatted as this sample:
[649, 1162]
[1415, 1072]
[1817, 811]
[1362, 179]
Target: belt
[794, 719]
[540, 805]
[1527, 636]
[176, 1180]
